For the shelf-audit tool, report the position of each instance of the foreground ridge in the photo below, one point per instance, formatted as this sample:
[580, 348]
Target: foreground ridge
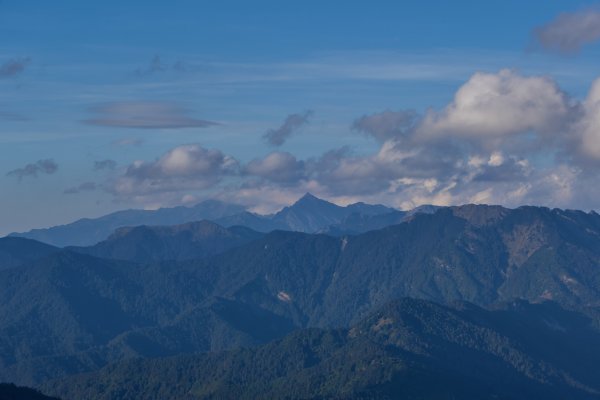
[409, 349]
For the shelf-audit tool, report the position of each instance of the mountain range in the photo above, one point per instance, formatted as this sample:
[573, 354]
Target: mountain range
[87, 231]
[176, 291]
[309, 214]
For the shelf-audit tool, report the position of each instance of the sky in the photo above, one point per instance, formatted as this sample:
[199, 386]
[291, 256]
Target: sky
[144, 104]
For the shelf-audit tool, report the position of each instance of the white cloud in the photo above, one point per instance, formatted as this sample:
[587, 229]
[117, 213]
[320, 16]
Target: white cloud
[496, 159]
[589, 127]
[494, 106]
[182, 168]
[278, 167]
[505, 139]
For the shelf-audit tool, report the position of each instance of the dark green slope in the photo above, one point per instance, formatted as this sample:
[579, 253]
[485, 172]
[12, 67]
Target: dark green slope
[16, 251]
[70, 312]
[259, 223]
[146, 244]
[409, 349]
[285, 272]
[479, 254]
[357, 223]
[11, 392]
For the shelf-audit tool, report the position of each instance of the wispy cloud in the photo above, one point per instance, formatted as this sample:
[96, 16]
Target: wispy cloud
[13, 67]
[47, 166]
[154, 66]
[126, 142]
[145, 115]
[291, 125]
[84, 187]
[157, 65]
[105, 165]
[569, 32]
[185, 167]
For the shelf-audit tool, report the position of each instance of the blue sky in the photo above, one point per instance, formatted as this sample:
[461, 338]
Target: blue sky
[111, 105]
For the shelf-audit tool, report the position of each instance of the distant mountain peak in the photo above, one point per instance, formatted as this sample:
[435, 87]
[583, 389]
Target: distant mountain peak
[313, 203]
[309, 214]
[309, 198]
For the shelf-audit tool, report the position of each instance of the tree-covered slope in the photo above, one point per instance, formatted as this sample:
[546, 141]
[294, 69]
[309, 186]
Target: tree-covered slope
[70, 312]
[10, 391]
[409, 349]
[193, 240]
[479, 254]
[15, 251]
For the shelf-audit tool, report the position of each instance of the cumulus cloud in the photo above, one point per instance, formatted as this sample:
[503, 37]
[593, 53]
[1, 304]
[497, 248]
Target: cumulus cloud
[47, 166]
[13, 67]
[569, 32]
[504, 138]
[495, 106]
[291, 125]
[105, 165]
[588, 128]
[343, 172]
[84, 187]
[145, 115]
[387, 124]
[499, 168]
[185, 167]
[279, 167]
